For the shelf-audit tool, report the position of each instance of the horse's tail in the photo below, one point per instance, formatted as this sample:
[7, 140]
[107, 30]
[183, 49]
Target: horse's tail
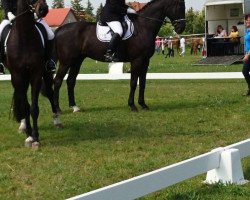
[20, 107]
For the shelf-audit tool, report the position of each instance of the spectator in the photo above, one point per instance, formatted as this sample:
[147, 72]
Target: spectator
[234, 34]
[157, 45]
[246, 59]
[163, 41]
[182, 46]
[170, 48]
[220, 32]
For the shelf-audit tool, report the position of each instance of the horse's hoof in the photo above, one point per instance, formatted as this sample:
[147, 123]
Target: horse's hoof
[75, 109]
[59, 126]
[35, 145]
[22, 127]
[28, 142]
[134, 109]
[56, 120]
[145, 107]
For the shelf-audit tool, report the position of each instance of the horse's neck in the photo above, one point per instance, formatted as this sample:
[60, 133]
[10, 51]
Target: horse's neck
[155, 11]
[24, 20]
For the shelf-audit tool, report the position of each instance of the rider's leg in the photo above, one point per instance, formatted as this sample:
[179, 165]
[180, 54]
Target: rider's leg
[3, 24]
[50, 64]
[115, 40]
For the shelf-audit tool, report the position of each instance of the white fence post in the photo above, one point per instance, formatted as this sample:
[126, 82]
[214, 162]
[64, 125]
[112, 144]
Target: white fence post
[116, 68]
[229, 171]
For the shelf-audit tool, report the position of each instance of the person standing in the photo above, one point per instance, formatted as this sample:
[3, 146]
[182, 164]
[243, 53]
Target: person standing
[246, 59]
[113, 14]
[182, 46]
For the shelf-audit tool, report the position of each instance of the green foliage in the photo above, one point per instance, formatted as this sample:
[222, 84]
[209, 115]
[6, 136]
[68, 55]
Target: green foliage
[77, 6]
[1, 14]
[58, 4]
[89, 9]
[98, 12]
[166, 30]
[195, 21]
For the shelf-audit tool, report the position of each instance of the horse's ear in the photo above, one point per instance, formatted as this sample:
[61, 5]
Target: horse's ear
[31, 2]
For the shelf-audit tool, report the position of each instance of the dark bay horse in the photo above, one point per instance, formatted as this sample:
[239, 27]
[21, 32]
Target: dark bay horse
[76, 41]
[26, 62]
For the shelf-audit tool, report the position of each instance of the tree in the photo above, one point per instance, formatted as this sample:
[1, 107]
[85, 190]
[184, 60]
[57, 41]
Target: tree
[89, 9]
[98, 12]
[190, 16]
[58, 4]
[76, 6]
[166, 30]
[89, 16]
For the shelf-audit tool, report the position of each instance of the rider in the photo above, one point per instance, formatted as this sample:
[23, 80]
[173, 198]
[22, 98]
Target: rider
[113, 14]
[10, 8]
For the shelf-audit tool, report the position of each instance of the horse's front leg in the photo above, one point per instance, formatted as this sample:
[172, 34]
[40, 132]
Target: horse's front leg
[71, 82]
[142, 85]
[135, 71]
[34, 109]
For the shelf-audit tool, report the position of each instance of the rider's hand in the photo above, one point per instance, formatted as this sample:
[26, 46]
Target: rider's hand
[131, 11]
[11, 17]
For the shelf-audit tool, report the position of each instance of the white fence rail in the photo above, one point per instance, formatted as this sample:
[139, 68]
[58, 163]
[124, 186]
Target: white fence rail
[126, 76]
[222, 164]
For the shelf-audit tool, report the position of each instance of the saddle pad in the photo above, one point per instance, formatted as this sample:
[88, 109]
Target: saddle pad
[7, 29]
[103, 33]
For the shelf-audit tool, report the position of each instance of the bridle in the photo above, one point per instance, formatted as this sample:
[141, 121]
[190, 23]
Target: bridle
[30, 8]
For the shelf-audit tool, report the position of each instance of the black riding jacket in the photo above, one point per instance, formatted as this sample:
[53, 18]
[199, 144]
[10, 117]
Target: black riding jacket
[114, 10]
[9, 6]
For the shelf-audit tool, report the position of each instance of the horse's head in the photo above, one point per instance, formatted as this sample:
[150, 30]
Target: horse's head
[40, 7]
[177, 15]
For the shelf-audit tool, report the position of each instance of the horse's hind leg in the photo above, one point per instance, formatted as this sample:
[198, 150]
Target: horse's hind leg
[142, 85]
[71, 82]
[49, 93]
[62, 70]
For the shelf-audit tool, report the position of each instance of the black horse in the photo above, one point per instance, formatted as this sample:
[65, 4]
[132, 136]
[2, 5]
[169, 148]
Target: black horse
[76, 41]
[26, 62]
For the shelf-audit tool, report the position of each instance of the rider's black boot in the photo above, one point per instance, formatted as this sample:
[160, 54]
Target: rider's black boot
[113, 44]
[50, 64]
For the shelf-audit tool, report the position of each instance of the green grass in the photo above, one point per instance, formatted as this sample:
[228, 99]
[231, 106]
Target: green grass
[106, 143]
[160, 64]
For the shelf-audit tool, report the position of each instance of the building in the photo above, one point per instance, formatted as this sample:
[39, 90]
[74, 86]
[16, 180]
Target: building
[59, 17]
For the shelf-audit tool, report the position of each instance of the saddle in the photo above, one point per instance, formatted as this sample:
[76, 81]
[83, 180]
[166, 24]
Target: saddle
[6, 31]
[104, 32]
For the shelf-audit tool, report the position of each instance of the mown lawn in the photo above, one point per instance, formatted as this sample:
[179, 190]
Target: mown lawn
[106, 143]
[160, 64]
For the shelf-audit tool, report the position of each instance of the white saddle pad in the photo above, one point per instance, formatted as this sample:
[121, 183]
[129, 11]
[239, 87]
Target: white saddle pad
[103, 33]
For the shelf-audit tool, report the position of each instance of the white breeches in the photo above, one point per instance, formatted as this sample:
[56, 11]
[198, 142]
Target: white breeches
[50, 33]
[116, 27]
[4, 23]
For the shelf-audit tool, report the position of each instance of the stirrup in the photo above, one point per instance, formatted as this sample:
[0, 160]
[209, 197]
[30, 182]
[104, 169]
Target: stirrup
[50, 66]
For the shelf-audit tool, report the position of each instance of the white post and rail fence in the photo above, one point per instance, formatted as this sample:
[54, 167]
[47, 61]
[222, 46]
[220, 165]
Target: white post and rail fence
[221, 165]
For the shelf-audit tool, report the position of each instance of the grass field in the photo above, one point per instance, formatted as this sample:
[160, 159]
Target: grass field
[106, 143]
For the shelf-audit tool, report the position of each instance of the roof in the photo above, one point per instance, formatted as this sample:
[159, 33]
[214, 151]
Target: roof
[222, 2]
[56, 17]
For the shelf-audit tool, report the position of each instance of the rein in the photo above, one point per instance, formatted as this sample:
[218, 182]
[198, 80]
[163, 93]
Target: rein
[163, 21]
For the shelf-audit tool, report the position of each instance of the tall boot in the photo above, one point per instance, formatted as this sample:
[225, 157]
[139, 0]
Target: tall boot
[50, 63]
[112, 47]
[1, 59]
